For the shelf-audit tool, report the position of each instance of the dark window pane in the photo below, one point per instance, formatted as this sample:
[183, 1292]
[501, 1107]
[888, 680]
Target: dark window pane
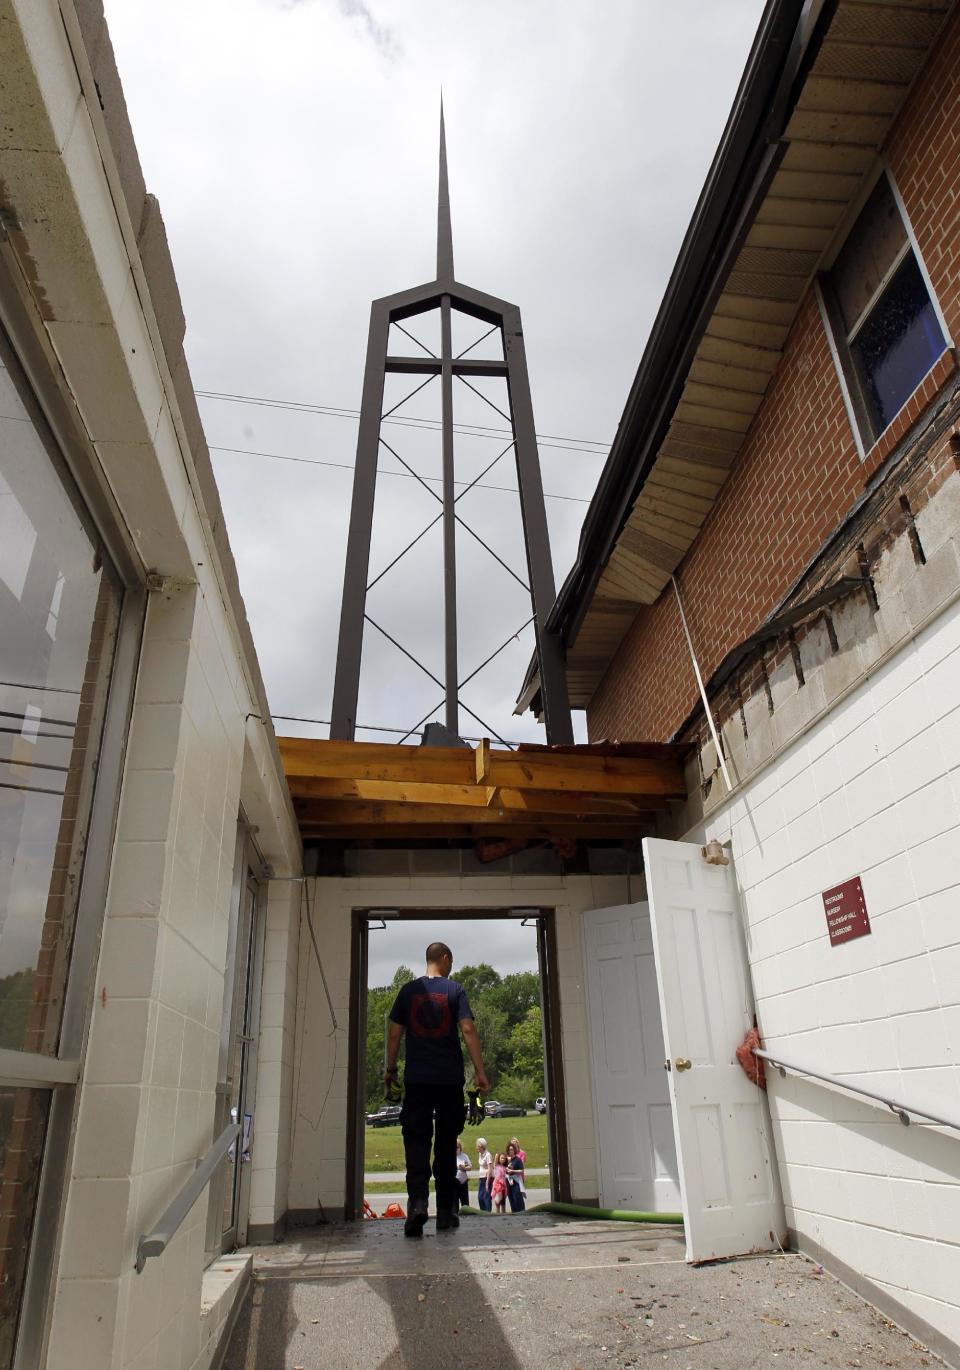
[23, 1122]
[897, 345]
[870, 251]
[59, 608]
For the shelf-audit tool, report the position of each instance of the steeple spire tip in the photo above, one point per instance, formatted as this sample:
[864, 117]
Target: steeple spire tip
[444, 231]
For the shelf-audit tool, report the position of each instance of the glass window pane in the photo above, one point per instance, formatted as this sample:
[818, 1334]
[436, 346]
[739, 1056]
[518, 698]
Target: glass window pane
[59, 609]
[869, 252]
[897, 345]
[23, 1123]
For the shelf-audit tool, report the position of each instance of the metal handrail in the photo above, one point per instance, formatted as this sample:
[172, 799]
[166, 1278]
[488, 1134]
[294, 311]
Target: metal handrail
[155, 1243]
[902, 1111]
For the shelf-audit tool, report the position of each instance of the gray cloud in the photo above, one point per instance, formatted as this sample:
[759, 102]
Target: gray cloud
[577, 150]
[382, 37]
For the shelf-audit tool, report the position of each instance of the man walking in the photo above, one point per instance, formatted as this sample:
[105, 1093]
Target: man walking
[433, 1011]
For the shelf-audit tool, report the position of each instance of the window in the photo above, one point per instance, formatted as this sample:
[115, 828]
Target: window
[885, 325]
[60, 606]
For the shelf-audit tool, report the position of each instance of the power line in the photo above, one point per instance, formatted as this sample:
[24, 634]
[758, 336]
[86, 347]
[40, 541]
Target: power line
[588, 446]
[375, 728]
[401, 475]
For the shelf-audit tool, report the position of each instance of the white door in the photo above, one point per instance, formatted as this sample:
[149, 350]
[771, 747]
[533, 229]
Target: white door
[728, 1173]
[636, 1157]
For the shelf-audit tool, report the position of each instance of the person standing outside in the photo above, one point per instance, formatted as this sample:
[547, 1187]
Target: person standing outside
[464, 1164]
[485, 1171]
[515, 1176]
[432, 1011]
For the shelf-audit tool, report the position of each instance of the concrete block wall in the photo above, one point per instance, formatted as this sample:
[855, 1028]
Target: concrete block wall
[318, 1152]
[96, 275]
[273, 1108]
[872, 789]
[146, 1102]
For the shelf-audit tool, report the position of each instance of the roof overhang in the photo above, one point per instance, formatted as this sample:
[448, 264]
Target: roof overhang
[822, 87]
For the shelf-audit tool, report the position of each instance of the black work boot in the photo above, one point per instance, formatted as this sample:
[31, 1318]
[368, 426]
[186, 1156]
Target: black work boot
[447, 1218]
[415, 1219]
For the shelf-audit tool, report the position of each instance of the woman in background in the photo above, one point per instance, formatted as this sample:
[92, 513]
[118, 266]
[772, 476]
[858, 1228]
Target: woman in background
[484, 1167]
[463, 1180]
[516, 1190]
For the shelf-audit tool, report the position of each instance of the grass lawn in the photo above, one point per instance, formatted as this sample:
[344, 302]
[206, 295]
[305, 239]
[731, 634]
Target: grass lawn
[384, 1145]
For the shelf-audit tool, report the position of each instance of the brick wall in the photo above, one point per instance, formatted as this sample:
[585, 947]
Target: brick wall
[799, 472]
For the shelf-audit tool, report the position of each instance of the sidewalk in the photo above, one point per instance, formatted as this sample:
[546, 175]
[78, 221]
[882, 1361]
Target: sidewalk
[532, 1292]
[384, 1176]
[378, 1202]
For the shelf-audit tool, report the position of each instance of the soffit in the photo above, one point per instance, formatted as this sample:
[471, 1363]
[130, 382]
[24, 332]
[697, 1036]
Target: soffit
[871, 54]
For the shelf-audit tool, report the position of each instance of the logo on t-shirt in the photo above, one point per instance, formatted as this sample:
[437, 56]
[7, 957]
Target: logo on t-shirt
[430, 1015]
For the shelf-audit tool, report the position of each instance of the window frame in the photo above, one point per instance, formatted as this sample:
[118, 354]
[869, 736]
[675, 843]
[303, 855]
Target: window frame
[839, 337]
[35, 371]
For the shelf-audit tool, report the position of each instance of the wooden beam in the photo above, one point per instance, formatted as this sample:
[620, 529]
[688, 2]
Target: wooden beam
[309, 794]
[524, 770]
[346, 832]
[360, 813]
[483, 760]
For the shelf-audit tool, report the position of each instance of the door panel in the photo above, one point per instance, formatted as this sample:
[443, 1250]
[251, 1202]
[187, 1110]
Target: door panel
[636, 1157]
[724, 1142]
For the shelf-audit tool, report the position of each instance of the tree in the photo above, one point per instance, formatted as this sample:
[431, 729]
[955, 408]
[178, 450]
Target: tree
[494, 1033]
[520, 1091]
[477, 981]
[16, 999]
[517, 994]
[379, 1004]
[526, 1045]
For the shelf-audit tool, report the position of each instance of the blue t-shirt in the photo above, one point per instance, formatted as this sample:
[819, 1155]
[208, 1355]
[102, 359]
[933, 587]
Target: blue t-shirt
[430, 1009]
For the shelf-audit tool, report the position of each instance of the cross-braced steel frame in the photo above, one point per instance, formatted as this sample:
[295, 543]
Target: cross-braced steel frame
[446, 294]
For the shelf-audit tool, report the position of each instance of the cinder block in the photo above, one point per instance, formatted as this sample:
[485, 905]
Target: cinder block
[117, 1051]
[840, 673]
[161, 277]
[933, 584]
[939, 519]
[128, 957]
[122, 144]
[84, 1324]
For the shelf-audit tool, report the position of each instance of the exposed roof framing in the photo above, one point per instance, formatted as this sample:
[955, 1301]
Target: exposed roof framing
[372, 791]
[816, 103]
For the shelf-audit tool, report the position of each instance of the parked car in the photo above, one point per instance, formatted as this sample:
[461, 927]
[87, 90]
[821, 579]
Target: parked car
[541, 1105]
[495, 1110]
[387, 1117]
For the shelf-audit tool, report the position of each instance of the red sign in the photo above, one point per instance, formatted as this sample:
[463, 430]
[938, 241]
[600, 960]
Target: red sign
[846, 911]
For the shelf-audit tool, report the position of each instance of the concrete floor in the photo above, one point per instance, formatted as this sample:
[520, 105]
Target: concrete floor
[533, 1292]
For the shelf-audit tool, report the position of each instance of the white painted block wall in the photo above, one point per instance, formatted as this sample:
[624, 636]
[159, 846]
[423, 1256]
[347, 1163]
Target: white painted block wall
[873, 790]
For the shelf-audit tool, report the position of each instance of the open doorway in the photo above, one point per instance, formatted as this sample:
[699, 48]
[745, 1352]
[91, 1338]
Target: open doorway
[507, 959]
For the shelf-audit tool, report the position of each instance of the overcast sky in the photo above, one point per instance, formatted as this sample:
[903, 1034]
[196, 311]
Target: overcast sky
[502, 942]
[293, 147]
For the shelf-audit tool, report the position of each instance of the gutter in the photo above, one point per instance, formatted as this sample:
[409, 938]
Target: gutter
[787, 41]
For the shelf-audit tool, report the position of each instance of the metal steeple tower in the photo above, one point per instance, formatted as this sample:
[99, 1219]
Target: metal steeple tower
[444, 231]
[446, 294]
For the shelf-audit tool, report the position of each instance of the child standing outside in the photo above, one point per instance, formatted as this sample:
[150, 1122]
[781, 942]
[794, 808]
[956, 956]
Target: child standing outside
[498, 1190]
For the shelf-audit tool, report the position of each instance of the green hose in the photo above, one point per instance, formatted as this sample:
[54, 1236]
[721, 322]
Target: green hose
[620, 1215]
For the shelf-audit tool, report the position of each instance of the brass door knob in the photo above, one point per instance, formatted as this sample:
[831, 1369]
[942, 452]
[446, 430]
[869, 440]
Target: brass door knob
[682, 1063]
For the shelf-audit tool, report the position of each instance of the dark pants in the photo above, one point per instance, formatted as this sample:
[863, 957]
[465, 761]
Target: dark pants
[484, 1200]
[432, 1114]
[463, 1191]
